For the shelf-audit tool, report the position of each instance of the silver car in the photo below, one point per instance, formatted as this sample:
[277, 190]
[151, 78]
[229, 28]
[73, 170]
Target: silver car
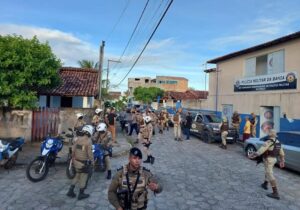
[291, 146]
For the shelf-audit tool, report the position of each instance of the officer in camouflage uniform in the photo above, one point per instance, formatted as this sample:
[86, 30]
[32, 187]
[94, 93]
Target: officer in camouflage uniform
[104, 138]
[80, 122]
[145, 136]
[83, 160]
[270, 150]
[128, 189]
[98, 117]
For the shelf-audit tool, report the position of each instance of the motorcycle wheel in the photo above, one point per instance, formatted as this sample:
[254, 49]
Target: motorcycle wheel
[70, 170]
[37, 170]
[11, 162]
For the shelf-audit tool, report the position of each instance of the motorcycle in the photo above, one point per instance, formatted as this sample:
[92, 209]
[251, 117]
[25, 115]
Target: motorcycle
[9, 149]
[38, 168]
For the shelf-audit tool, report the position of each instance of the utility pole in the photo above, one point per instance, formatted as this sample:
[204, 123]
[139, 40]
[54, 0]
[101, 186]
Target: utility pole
[107, 73]
[101, 55]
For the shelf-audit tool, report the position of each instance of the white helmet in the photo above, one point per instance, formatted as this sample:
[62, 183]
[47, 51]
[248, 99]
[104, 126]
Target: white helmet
[98, 110]
[147, 119]
[101, 127]
[89, 129]
[78, 115]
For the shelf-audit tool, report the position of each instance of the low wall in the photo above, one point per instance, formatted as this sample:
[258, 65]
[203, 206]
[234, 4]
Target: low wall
[15, 123]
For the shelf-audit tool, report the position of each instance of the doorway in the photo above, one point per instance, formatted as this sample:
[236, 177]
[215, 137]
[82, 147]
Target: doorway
[227, 111]
[269, 119]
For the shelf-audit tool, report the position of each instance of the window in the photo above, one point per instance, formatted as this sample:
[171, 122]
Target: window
[161, 82]
[66, 102]
[146, 80]
[271, 63]
[199, 119]
[171, 82]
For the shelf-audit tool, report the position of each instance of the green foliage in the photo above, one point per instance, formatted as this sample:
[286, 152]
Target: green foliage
[120, 104]
[87, 64]
[26, 65]
[147, 95]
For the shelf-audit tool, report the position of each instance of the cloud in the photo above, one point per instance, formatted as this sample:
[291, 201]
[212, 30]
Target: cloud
[161, 57]
[65, 46]
[263, 29]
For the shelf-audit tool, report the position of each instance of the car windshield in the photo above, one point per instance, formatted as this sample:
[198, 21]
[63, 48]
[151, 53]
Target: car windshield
[213, 119]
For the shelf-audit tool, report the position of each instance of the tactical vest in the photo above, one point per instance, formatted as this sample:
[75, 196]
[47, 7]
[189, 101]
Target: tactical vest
[140, 194]
[235, 119]
[224, 126]
[176, 118]
[275, 151]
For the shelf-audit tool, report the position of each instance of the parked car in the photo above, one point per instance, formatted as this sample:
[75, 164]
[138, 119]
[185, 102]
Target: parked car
[207, 125]
[291, 145]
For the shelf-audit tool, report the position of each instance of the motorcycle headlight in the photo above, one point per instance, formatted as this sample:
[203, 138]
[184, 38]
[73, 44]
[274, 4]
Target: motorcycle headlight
[49, 143]
[216, 129]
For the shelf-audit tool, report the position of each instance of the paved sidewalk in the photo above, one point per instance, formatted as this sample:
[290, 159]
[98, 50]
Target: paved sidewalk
[194, 175]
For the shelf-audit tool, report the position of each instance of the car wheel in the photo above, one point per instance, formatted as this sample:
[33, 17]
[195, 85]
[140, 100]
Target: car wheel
[207, 137]
[250, 150]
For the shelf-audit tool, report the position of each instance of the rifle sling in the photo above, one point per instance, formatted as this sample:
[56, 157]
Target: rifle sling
[134, 188]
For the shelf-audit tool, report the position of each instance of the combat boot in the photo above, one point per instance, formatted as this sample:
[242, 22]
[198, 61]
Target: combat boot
[152, 159]
[71, 193]
[264, 185]
[275, 194]
[82, 195]
[148, 160]
[108, 174]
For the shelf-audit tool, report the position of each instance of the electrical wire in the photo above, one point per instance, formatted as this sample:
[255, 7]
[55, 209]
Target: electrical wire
[165, 12]
[144, 29]
[120, 17]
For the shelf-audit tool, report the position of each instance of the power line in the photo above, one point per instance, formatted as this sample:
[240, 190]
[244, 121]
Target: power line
[135, 35]
[134, 30]
[147, 42]
[120, 17]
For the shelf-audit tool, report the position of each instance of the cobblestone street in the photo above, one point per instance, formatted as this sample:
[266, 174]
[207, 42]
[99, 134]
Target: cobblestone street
[195, 175]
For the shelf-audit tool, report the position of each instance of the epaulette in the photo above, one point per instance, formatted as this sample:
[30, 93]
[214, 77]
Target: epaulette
[121, 168]
[146, 169]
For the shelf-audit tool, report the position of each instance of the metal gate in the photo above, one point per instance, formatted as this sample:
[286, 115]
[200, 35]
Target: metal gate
[44, 121]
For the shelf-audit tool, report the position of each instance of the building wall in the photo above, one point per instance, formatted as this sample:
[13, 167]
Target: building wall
[18, 123]
[78, 101]
[181, 85]
[15, 123]
[246, 102]
[139, 82]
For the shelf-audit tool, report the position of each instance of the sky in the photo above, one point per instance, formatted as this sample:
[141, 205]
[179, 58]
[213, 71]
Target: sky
[191, 32]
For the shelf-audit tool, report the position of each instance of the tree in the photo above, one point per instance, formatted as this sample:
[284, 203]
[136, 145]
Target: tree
[120, 104]
[147, 95]
[26, 66]
[87, 64]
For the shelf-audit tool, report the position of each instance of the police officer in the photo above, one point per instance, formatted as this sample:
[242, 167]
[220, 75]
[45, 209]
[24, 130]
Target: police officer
[98, 117]
[104, 138]
[224, 132]
[83, 160]
[270, 150]
[128, 189]
[145, 136]
[80, 122]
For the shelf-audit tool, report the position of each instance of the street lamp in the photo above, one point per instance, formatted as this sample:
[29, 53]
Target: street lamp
[107, 73]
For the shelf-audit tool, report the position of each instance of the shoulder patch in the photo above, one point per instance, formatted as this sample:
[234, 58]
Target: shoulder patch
[146, 169]
[119, 169]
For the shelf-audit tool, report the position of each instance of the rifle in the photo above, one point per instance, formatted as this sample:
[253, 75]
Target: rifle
[260, 159]
[124, 196]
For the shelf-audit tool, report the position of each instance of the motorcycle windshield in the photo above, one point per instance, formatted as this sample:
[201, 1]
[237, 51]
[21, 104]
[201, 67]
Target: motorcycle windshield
[45, 151]
[3, 146]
